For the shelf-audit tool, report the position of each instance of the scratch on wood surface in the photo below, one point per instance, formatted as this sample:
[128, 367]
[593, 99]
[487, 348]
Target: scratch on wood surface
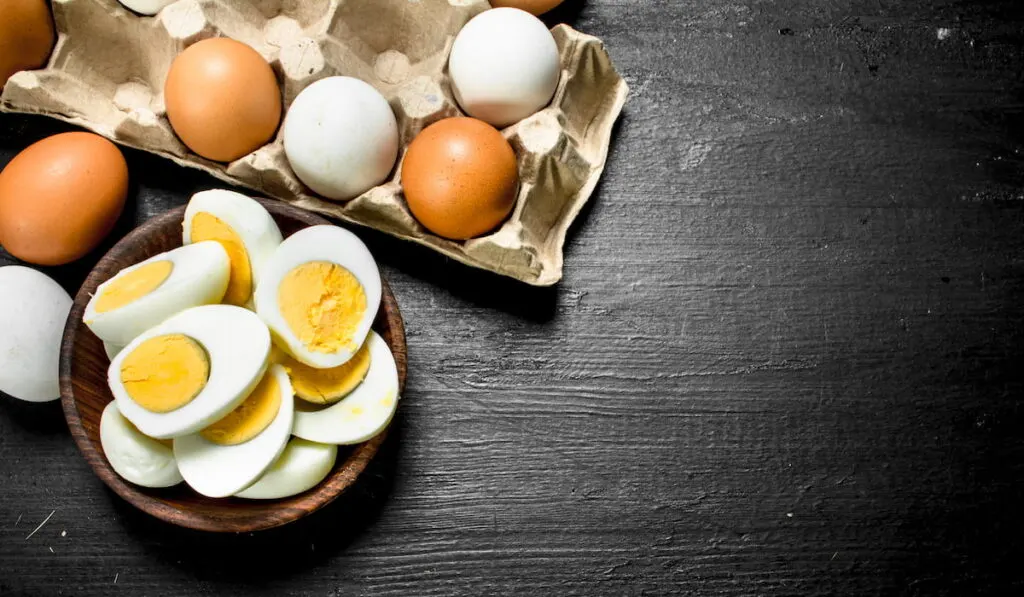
[45, 520]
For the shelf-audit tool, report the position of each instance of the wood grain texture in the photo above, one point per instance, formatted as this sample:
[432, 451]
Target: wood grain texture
[784, 360]
[84, 395]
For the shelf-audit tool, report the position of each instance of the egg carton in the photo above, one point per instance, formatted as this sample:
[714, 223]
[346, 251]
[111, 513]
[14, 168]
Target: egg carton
[108, 67]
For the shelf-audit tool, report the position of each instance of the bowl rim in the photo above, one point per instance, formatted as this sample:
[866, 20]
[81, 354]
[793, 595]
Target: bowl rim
[342, 476]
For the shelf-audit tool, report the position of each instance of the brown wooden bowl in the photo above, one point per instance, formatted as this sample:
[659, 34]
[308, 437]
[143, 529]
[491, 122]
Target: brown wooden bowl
[84, 394]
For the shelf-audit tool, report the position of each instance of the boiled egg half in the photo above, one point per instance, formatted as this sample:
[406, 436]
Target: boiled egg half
[145, 294]
[190, 371]
[319, 295]
[231, 454]
[361, 414]
[243, 227]
[301, 466]
[137, 458]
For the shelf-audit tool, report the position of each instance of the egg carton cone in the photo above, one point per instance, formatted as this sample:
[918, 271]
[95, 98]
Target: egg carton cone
[107, 74]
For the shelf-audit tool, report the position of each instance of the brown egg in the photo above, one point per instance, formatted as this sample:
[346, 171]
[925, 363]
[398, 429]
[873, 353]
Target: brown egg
[26, 36]
[60, 197]
[222, 99]
[460, 178]
[537, 7]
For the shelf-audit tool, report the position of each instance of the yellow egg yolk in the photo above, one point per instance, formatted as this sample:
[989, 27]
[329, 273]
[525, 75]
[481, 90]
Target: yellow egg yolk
[133, 285]
[209, 227]
[249, 418]
[323, 304]
[327, 386]
[165, 373]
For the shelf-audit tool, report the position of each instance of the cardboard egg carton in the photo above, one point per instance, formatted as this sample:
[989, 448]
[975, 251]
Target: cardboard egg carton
[108, 68]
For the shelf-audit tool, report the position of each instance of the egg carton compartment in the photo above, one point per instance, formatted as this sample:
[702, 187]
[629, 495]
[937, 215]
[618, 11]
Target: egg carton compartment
[109, 64]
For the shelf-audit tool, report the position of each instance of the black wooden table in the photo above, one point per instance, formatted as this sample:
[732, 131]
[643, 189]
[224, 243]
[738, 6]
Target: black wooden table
[785, 358]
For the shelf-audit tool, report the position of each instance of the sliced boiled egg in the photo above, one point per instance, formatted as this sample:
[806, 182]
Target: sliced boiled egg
[363, 413]
[243, 227]
[145, 294]
[191, 370]
[319, 294]
[137, 458]
[230, 454]
[301, 466]
[327, 386]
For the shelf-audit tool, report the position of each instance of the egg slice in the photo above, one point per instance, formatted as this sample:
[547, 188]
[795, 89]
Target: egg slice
[243, 227]
[363, 413]
[301, 466]
[137, 458]
[233, 452]
[326, 386]
[191, 370]
[319, 295]
[145, 294]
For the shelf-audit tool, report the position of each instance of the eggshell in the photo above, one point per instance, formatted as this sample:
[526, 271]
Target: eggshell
[60, 197]
[504, 66]
[341, 137]
[460, 178]
[222, 99]
[536, 7]
[26, 36]
[33, 311]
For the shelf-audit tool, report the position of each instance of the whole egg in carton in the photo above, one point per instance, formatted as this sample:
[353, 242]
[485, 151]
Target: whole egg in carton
[109, 65]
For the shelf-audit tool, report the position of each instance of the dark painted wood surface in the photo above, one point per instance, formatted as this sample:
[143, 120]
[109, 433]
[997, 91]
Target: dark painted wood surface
[785, 359]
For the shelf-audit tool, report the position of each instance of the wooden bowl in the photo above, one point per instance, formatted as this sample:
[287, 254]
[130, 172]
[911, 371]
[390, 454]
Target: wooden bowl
[84, 394]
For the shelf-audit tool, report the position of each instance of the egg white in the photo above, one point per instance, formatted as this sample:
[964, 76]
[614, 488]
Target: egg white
[135, 457]
[33, 312]
[301, 466]
[112, 350]
[219, 471]
[251, 222]
[238, 346]
[199, 277]
[375, 401]
[318, 243]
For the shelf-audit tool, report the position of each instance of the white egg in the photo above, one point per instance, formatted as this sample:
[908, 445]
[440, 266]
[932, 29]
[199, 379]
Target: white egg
[504, 66]
[140, 297]
[137, 458]
[301, 466]
[341, 137]
[237, 345]
[255, 232]
[216, 470]
[318, 244]
[362, 414]
[146, 7]
[33, 311]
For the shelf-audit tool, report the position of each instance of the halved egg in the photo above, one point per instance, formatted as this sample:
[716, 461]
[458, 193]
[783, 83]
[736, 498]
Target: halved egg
[326, 386]
[243, 227]
[301, 466]
[145, 294]
[229, 455]
[319, 294]
[137, 458]
[191, 370]
[364, 412]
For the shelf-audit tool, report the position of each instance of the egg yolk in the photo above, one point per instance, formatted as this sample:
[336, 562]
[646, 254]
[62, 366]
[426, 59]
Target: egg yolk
[133, 285]
[209, 227]
[165, 373]
[327, 386]
[249, 418]
[323, 304]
